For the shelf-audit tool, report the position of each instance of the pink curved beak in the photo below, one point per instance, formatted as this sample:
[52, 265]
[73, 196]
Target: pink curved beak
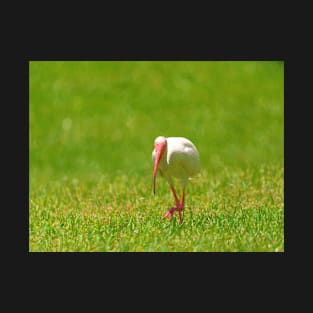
[159, 149]
[156, 165]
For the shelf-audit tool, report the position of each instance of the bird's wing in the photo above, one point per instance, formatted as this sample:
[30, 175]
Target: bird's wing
[185, 162]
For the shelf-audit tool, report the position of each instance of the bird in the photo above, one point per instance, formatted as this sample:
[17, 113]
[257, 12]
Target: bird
[175, 157]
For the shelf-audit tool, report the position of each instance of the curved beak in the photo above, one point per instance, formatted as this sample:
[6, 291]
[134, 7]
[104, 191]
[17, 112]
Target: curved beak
[158, 155]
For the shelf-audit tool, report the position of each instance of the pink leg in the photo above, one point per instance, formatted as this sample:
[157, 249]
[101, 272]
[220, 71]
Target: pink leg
[169, 213]
[179, 206]
[173, 209]
[183, 198]
[175, 196]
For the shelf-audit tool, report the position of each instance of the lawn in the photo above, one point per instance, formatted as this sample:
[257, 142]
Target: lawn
[92, 127]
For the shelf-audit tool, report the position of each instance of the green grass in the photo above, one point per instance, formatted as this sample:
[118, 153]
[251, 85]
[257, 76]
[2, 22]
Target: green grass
[92, 127]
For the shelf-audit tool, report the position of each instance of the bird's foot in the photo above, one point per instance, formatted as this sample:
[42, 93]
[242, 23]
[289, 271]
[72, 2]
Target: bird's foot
[169, 213]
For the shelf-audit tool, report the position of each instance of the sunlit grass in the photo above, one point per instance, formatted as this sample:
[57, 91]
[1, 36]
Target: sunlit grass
[231, 211]
[92, 126]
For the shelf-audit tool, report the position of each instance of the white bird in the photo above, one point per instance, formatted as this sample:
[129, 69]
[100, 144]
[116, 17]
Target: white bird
[175, 157]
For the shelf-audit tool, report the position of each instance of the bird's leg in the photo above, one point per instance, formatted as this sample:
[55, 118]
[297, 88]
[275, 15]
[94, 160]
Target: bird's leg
[183, 199]
[175, 196]
[173, 209]
[181, 207]
[169, 213]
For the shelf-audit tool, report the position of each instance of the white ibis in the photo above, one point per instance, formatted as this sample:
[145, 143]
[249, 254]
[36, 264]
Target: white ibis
[175, 157]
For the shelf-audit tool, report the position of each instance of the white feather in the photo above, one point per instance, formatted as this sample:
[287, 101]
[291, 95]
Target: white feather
[180, 159]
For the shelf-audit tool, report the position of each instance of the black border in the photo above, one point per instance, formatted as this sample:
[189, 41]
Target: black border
[213, 275]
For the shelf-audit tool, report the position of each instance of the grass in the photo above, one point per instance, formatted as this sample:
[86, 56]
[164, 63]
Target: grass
[92, 126]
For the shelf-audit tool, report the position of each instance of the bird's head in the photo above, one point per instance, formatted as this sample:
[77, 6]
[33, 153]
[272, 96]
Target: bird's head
[160, 144]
